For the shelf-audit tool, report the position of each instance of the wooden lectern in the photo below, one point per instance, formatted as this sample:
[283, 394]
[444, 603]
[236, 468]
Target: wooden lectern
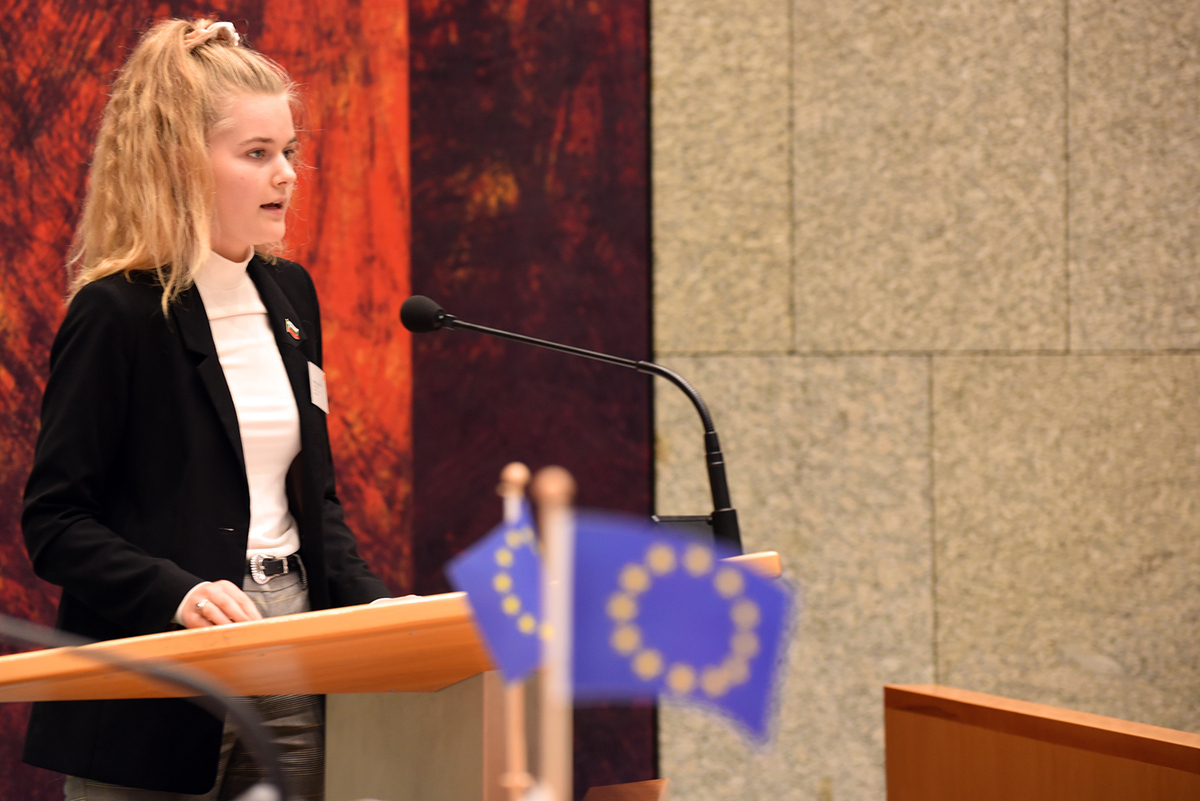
[945, 745]
[415, 709]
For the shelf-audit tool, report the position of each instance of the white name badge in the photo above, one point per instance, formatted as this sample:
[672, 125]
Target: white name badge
[316, 387]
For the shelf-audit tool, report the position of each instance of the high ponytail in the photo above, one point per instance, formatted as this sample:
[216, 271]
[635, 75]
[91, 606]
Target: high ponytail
[150, 185]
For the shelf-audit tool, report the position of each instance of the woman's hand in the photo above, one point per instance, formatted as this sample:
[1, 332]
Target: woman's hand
[216, 603]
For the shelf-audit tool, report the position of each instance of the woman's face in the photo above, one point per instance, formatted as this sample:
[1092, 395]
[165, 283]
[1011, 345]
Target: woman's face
[251, 150]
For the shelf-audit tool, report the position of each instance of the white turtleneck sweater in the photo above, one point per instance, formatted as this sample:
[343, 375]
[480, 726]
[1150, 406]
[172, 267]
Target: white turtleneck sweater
[268, 420]
[266, 408]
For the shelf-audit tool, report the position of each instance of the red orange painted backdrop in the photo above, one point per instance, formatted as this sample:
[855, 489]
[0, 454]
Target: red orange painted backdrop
[530, 211]
[351, 229]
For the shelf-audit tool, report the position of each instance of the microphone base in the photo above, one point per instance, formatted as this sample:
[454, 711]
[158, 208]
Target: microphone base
[721, 525]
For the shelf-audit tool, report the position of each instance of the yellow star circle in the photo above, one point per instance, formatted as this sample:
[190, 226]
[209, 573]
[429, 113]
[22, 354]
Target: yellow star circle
[502, 581]
[648, 663]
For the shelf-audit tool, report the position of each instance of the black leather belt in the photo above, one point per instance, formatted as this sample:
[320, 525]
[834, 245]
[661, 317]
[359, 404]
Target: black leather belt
[263, 568]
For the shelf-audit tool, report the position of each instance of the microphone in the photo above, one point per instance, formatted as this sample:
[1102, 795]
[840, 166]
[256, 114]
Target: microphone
[422, 315]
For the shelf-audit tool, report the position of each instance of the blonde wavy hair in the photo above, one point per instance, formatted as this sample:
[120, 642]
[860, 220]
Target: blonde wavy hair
[150, 185]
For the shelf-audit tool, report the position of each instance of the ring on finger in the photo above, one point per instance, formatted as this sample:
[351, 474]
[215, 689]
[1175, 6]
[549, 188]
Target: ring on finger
[201, 604]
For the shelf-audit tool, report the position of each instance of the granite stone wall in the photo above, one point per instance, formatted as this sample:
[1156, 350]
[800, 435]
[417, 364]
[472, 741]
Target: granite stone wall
[934, 267]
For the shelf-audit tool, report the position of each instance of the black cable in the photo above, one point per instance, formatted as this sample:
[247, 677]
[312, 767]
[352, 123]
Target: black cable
[213, 697]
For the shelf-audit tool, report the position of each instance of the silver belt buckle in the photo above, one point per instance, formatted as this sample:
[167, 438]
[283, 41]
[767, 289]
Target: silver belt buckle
[256, 568]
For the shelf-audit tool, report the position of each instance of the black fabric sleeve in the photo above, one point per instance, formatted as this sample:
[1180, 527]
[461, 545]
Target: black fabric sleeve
[84, 415]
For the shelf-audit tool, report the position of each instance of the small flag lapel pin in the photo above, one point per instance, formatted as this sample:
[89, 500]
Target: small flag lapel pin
[292, 329]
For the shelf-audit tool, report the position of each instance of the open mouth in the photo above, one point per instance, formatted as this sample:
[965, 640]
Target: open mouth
[276, 206]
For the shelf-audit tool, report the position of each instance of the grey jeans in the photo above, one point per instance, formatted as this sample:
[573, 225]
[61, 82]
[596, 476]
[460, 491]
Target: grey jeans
[295, 722]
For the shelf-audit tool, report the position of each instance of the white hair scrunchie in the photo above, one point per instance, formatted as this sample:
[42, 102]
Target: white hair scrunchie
[218, 30]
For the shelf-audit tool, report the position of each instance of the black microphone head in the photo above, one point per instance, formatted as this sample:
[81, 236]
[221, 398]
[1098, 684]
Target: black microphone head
[422, 315]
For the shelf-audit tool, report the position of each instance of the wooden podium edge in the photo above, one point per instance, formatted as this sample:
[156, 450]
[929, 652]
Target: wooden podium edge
[25, 676]
[432, 639]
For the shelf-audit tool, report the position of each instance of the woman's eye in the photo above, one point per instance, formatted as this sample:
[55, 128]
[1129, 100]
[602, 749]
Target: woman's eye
[290, 154]
[255, 154]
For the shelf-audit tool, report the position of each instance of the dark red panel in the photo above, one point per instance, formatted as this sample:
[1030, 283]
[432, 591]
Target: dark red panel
[530, 213]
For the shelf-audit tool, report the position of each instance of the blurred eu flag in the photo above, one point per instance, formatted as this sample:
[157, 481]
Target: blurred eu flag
[501, 575]
[660, 614]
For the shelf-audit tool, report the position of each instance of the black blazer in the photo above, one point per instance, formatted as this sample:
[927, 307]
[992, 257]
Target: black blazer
[138, 493]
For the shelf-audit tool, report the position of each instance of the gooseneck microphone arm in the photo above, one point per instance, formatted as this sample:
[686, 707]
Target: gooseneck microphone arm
[422, 315]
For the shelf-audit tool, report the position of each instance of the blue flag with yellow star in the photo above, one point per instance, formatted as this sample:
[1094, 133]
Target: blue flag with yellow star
[501, 575]
[658, 614]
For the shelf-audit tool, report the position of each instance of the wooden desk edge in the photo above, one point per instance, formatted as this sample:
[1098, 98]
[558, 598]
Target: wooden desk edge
[1111, 736]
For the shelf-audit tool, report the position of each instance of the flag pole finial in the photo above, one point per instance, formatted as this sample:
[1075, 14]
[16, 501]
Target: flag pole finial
[513, 480]
[553, 488]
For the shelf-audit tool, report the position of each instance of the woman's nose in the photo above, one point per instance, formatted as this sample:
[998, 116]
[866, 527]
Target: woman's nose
[286, 173]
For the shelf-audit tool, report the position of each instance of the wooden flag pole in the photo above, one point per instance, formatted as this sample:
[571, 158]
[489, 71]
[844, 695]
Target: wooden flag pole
[513, 480]
[554, 489]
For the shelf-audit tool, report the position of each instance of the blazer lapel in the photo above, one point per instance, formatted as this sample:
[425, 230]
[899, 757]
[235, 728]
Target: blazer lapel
[285, 322]
[290, 334]
[192, 319]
